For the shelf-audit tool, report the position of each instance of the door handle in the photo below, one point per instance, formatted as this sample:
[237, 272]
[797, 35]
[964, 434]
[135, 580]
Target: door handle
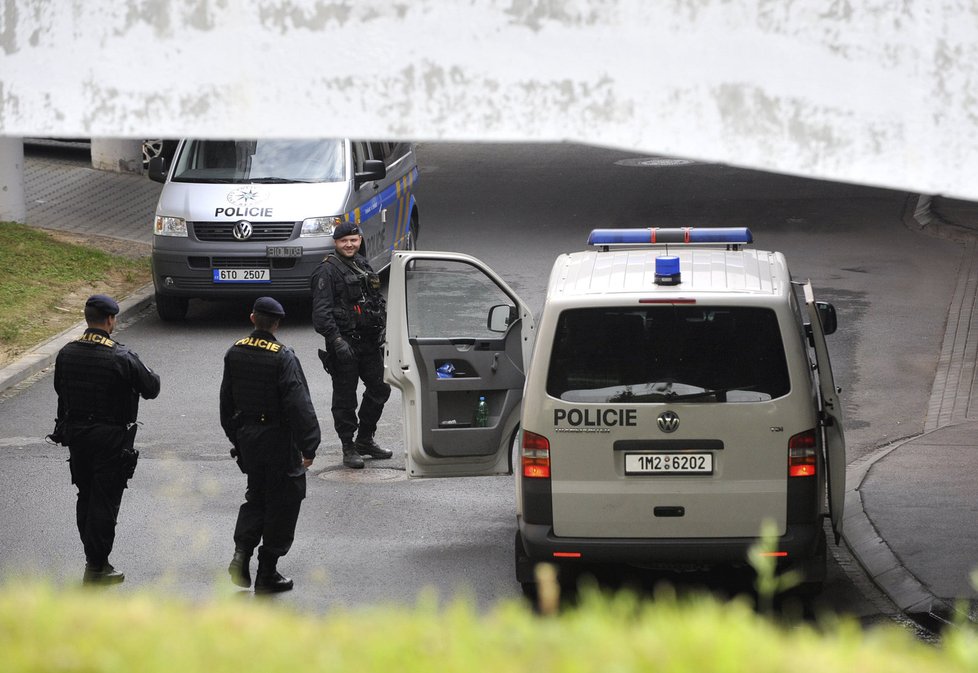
[495, 363]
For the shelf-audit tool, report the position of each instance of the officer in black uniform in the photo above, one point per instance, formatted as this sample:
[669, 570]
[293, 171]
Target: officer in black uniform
[99, 382]
[269, 417]
[351, 314]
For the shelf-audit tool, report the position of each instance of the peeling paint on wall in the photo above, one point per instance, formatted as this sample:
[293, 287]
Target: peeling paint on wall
[878, 92]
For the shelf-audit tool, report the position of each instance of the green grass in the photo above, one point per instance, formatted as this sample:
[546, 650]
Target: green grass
[45, 629]
[44, 283]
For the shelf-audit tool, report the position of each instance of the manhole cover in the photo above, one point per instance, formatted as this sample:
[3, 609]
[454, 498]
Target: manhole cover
[654, 162]
[366, 475]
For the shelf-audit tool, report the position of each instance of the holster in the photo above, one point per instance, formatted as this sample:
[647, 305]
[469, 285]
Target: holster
[129, 455]
[324, 357]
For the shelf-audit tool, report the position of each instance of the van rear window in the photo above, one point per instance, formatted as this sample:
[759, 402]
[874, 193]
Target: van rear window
[668, 354]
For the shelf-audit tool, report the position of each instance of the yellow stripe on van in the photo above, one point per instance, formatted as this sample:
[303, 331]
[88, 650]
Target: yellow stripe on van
[401, 220]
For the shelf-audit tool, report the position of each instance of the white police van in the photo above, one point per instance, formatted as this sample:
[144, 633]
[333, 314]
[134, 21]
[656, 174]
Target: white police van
[246, 218]
[679, 394]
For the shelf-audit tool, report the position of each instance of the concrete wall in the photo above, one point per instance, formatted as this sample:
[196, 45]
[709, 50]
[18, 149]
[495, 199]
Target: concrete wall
[870, 91]
[13, 206]
[121, 155]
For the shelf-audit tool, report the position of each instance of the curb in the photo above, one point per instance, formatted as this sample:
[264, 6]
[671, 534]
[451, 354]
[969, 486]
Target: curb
[861, 536]
[925, 219]
[873, 553]
[43, 356]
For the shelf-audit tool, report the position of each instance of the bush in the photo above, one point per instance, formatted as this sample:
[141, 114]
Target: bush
[43, 629]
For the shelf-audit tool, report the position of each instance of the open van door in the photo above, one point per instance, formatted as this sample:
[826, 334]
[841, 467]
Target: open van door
[832, 417]
[455, 332]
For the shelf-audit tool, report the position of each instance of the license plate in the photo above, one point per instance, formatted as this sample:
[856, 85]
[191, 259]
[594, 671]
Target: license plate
[242, 276]
[283, 251]
[668, 463]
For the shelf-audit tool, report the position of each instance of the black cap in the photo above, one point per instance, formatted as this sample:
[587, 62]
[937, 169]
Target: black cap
[346, 229]
[269, 306]
[103, 303]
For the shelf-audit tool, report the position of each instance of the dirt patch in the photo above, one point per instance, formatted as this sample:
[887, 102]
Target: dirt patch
[113, 246]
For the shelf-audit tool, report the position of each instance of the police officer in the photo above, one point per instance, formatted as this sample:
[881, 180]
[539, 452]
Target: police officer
[267, 413]
[351, 314]
[99, 382]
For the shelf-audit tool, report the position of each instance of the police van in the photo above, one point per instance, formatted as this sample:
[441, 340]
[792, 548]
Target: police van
[676, 394]
[246, 218]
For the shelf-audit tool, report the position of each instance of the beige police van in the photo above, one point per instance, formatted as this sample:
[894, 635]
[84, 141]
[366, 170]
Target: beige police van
[247, 218]
[676, 394]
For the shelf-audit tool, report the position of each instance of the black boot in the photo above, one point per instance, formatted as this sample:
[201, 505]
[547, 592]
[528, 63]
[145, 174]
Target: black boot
[240, 570]
[366, 446]
[102, 573]
[268, 580]
[351, 458]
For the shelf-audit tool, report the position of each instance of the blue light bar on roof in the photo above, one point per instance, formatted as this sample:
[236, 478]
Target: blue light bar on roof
[662, 235]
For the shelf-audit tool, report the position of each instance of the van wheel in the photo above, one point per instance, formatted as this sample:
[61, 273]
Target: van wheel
[412, 242]
[808, 590]
[524, 568]
[171, 309]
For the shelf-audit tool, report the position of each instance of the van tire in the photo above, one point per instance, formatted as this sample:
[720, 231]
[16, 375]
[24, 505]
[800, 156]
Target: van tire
[412, 243]
[524, 568]
[171, 309]
[814, 571]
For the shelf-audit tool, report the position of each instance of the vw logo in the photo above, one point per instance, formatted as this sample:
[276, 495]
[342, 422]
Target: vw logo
[242, 230]
[668, 421]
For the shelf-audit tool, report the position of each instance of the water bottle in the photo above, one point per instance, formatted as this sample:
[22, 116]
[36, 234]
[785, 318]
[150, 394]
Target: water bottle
[481, 413]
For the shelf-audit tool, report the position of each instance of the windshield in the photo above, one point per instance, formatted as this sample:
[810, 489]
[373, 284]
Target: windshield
[268, 161]
[668, 354]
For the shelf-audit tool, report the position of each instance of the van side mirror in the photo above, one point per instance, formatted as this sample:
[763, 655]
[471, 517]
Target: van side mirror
[373, 169]
[501, 316]
[157, 169]
[826, 312]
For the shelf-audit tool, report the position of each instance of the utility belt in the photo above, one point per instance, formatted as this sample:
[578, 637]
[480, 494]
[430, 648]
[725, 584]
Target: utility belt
[363, 338]
[92, 419]
[241, 419]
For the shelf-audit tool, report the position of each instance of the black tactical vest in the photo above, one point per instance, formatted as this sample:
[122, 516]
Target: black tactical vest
[94, 390]
[360, 297]
[253, 363]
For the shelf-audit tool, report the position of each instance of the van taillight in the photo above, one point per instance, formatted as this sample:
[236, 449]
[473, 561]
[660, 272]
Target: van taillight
[535, 453]
[801, 454]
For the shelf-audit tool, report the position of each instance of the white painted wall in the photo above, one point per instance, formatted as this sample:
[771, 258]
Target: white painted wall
[878, 92]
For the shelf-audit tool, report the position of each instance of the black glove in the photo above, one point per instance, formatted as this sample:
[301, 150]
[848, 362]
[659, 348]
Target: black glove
[236, 454]
[343, 350]
[60, 433]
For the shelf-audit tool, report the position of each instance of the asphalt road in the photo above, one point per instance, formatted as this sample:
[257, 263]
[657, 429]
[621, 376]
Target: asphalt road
[372, 537]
